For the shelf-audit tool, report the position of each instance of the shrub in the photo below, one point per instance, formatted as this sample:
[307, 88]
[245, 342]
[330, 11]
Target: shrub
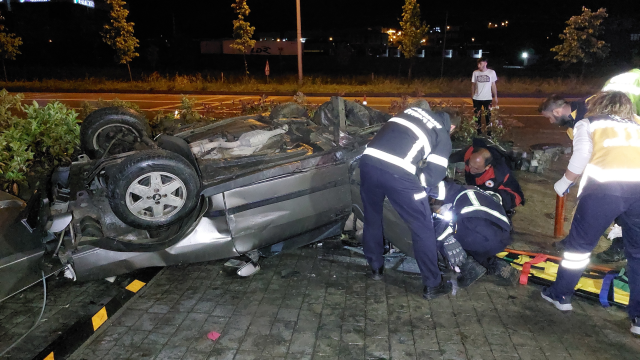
[49, 134]
[87, 108]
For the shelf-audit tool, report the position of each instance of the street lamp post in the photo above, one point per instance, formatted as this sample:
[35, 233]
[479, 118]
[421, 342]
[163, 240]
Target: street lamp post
[525, 56]
[299, 43]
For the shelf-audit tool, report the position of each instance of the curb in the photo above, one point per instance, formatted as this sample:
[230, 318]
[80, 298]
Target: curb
[78, 333]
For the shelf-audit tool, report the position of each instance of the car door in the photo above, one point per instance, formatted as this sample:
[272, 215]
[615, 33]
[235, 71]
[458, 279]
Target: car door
[297, 199]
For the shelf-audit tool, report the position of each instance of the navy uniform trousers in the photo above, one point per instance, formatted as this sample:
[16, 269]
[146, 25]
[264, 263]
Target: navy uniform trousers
[595, 212]
[377, 183]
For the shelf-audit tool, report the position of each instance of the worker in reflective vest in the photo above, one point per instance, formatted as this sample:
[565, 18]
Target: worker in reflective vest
[607, 154]
[628, 83]
[478, 221]
[406, 160]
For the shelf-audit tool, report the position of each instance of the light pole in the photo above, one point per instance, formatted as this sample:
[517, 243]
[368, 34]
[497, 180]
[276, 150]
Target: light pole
[525, 56]
[299, 43]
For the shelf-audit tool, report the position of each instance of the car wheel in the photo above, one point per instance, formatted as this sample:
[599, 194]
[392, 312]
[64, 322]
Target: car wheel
[153, 189]
[115, 130]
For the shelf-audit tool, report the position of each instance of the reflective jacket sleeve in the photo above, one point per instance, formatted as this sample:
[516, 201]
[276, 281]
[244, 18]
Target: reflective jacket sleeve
[437, 161]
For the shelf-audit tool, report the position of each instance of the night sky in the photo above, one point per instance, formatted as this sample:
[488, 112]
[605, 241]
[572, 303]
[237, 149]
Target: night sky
[212, 18]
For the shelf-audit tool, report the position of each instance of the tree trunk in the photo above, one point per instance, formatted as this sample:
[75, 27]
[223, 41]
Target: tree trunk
[246, 67]
[130, 77]
[5, 71]
[410, 67]
[582, 71]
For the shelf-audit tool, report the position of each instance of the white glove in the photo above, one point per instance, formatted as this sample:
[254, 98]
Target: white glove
[562, 186]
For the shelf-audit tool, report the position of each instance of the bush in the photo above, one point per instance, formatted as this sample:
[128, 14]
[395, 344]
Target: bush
[49, 134]
[87, 108]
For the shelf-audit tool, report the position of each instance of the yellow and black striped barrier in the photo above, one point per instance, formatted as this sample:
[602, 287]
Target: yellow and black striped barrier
[71, 339]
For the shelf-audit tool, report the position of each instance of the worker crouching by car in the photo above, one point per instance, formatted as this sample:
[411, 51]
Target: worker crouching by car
[479, 223]
[608, 157]
[404, 161]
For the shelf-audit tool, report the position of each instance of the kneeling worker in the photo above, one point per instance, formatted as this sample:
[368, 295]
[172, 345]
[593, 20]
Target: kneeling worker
[608, 158]
[406, 157]
[485, 167]
[479, 223]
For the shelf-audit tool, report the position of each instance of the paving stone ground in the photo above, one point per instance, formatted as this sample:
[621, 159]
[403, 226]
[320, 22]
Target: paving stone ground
[329, 309]
[67, 302]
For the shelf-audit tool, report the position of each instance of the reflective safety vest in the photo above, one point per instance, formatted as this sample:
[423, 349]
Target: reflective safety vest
[415, 142]
[477, 203]
[628, 83]
[616, 150]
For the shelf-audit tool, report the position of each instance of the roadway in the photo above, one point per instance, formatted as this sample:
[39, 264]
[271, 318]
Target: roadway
[531, 127]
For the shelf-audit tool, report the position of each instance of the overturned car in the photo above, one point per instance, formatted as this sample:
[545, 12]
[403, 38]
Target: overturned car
[222, 190]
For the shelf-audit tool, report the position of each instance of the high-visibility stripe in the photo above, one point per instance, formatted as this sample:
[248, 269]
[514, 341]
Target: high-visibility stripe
[421, 195]
[422, 138]
[423, 180]
[575, 256]
[485, 209]
[437, 159]
[574, 265]
[477, 207]
[445, 233]
[426, 118]
[602, 124]
[473, 198]
[604, 175]
[391, 159]
[441, 191]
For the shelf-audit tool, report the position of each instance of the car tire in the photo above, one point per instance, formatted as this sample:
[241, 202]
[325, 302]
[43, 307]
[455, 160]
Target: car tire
[153, 189]
[102, 126]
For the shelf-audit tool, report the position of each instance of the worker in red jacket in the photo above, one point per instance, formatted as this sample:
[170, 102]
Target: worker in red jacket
[486, 168]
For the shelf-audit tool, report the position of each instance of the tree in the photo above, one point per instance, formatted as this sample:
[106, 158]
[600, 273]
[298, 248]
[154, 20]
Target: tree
[580, 39]
[119, 34]
[413, 31]
[9, 44]
[242, 31]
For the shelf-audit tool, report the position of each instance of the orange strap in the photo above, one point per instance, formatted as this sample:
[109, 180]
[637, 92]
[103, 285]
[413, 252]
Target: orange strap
[526, 267]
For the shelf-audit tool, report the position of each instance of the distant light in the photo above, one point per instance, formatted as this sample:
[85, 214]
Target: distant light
[525, 55]
[448, 27]
[502, 24]
[473, 39]
[303, 40]
[278, 39]
[50, 40]
[330, 39]
[87, 3]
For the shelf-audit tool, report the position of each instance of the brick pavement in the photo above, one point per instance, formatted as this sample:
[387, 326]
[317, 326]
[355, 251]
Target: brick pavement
[330, 310]
[67, 302]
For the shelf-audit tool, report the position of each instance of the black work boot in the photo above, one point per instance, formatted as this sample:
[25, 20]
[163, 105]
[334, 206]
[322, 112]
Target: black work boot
[430, 293]
[470, 271]
[377, 274]
[506, 274]
[614, 253]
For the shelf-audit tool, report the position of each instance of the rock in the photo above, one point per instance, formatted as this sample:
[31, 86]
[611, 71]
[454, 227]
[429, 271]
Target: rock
[288, 110]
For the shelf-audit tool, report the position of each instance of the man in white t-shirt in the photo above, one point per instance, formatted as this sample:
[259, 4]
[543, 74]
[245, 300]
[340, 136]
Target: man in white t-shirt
[483, 91]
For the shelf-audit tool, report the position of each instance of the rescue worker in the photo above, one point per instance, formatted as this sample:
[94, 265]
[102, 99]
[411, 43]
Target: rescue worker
[406, 159]
[479, 223]
[628, 83]
[563, 112]
[607, 154]
[486, 168]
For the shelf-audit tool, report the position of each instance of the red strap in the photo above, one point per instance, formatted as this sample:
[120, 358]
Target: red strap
[526, 267]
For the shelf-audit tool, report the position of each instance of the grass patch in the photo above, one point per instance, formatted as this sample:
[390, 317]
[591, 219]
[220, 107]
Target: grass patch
[312, 84]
